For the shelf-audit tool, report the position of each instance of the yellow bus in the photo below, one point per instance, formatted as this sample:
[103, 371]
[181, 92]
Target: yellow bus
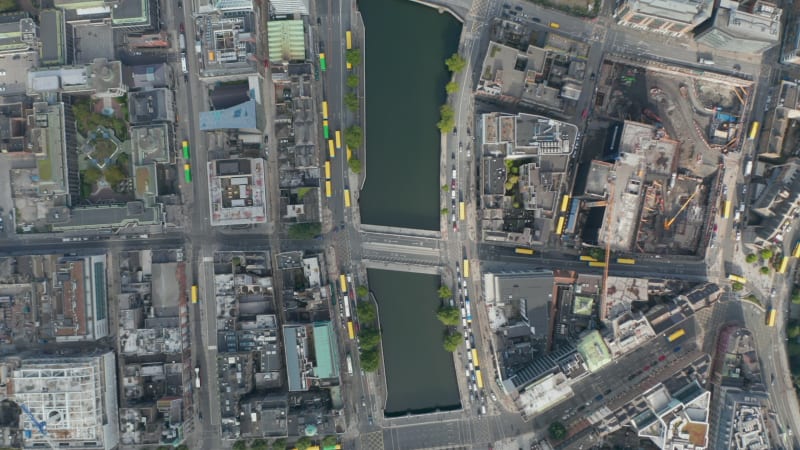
[347, 198]
[753, 131]
[555, 25]
[587, 258]
[349, 153]
[350, 331]
[784, 265]
[676, 335]
[338, 139]
[348, 36]
[564, 203]
[478, 378]
[771, 317]
[726, 212]
[327, 170]
[796, 252]
[626, 261]
[560, 227]
[475, 357]
[523, 251]
[194, 294]
[328, 189]
[331, 149]
[466, 268]
[597, 264]
[324, 110]
[343, 283]
[462, 211]
[737, 279]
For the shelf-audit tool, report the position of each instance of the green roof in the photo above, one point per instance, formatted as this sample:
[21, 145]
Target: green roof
[325, 351]
[287, 40]
[594, 351]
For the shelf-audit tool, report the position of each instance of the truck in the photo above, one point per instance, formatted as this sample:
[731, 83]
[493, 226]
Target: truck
[748, 167]
[349, 364]
[197, 377]
[184, 67]
[182, 42]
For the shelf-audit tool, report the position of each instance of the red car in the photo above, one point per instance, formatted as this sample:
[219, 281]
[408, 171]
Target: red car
[181, 27]
[662, 357]
[455, 226]
[646, 368]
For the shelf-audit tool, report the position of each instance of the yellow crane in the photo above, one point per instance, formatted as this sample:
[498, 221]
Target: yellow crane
[668, 223]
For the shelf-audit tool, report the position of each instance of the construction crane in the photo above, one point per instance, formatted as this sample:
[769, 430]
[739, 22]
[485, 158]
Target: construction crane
[736, 91]
[41, 426]
[668, 223]
[608, 239]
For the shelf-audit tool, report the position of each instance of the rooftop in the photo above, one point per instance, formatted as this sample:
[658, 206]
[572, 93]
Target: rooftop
[52, 51]
[237, 189]
[76, 397]
[287, 40]
[155, 105]
[594, 351]
[241, 117]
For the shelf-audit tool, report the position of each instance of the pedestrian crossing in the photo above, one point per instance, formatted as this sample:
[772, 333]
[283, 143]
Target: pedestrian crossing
[372, 441]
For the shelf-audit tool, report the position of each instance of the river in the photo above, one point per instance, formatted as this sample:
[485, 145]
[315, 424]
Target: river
[420, 376]
[406, 45]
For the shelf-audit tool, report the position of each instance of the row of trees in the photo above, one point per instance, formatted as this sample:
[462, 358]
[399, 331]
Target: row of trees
[353, 136]
[369, 338]
[447, 116]
[450, 318]
[278, 444]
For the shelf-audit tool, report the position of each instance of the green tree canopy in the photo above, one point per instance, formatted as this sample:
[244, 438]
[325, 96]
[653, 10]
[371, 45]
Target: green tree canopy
[451, 87]
[796, 297]
[369, 338]
[353, 137]
[304, 231]
[751, 258]
[793, 331]
[240, 445]
[455, 63]
[445, 292]
[303, 443]
[353, 56]
[445, 211]
[764, 270]
[370, 360]
[447, 121]
[366, 311]
[114, 175]
[766, 253]
[8, 5]
[448, 315]
[736, 287]
[362, 291]
[557, 431]
[446, 187]
[351, 101]
[451, 341]
[329, 441]
[91, 175]
[597, 253]
[258, 444]
[354, 164]
[279, 444]
[352, 81]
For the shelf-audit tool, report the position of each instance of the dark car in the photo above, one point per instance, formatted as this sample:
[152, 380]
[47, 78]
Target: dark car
[518, 8]
[537, 20]
[182, 28]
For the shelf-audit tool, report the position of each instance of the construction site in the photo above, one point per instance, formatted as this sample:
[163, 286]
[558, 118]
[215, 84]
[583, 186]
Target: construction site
[702, 111]
[677, 123]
